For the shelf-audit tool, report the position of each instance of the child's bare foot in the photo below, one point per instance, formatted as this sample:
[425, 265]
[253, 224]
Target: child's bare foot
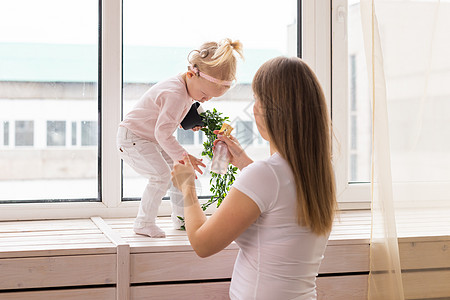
[152, 230]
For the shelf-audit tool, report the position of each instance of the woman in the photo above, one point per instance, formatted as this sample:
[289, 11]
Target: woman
[279, 210]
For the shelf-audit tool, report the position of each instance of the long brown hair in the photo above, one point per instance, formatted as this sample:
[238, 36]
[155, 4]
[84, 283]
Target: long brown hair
[296, 116]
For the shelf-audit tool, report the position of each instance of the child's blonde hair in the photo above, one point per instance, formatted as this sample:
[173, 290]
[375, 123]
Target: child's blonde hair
[217, 59]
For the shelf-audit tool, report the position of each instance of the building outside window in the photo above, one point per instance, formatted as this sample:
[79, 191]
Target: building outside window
[89, 133]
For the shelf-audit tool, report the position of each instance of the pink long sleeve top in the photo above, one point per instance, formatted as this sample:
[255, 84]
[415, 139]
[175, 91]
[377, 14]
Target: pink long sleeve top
[159, 112]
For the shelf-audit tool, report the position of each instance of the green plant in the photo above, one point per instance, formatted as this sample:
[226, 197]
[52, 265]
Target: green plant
[220, 184]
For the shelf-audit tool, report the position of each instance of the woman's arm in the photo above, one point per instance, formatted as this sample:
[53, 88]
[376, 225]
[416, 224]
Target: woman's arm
[210, 235]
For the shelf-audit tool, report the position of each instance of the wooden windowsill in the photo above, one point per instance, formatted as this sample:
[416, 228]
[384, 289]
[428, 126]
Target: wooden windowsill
[71, 237]
[37, 256]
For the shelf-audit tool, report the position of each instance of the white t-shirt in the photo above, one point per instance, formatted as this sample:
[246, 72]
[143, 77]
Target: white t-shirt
[278, 259]
[158, 114]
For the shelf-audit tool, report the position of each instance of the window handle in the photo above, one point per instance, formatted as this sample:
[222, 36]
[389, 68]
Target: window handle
[342, 18]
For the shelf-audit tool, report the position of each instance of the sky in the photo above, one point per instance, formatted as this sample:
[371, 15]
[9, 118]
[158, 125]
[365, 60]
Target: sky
[258, 24]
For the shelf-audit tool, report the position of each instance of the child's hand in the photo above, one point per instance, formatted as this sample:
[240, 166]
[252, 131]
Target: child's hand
[196, 128]
[195, 162]
[183, 174]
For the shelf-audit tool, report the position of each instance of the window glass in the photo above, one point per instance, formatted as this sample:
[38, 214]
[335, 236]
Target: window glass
[185, 137]
[24, 133]
[89, 133]
[48, 79]
[417, 92]
[6, 133]
[359, 107]
[150, 56]
[56, 133]
[244, 132]
[74, 133]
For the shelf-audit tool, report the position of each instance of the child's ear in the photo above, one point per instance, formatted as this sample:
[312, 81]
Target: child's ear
[190, 74]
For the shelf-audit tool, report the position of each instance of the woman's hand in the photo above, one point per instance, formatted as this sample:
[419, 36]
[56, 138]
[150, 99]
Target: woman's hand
[183, 174]
[238, 157]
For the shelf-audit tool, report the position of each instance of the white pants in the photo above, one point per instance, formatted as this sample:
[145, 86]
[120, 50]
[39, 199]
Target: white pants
[149, 160]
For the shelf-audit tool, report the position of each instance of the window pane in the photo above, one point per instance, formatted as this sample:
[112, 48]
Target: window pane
[244, 132]
[56, 133]
[163, 53]
[417, 90]
[48, 80]
[74, 133]
[360, 118]
[185, 137]
[6, 133]
[24, 133]
[89, 133]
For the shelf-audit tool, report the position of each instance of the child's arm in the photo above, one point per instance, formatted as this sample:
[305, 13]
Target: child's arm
[168, 121]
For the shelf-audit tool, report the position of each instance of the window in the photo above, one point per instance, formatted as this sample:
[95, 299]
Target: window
[346, 85]
[5, 133]
[417, 97]
[48, 78]
[56, 133]
[24, 133]
[54, 70]
[244, 132]
[150, 58]
[89, 133]
[201, 137]
[185, 137]
[74, 133]
[359, 107]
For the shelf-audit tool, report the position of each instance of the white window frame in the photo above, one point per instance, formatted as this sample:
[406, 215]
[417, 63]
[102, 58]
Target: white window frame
[324, 32]
[350, 195]
[319, 17]
[358, 195]
[111, 83]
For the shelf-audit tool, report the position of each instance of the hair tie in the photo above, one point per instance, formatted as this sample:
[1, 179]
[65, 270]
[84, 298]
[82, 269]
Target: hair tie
[197, 72]
[204, 53]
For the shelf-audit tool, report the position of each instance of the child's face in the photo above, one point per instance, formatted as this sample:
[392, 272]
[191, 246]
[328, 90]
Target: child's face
[203, 90]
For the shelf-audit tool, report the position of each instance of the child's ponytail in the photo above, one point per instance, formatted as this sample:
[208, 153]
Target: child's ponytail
[217, 59]
[225, 52]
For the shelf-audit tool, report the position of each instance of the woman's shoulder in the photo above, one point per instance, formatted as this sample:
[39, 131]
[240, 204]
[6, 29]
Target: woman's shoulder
[259, 166]
[262, 181]
[272, 170]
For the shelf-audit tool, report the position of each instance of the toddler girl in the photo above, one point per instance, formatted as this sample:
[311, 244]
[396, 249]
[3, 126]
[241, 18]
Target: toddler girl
[145, 137]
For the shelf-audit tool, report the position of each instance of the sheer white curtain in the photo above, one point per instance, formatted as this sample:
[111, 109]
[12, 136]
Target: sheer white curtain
[407, 46]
